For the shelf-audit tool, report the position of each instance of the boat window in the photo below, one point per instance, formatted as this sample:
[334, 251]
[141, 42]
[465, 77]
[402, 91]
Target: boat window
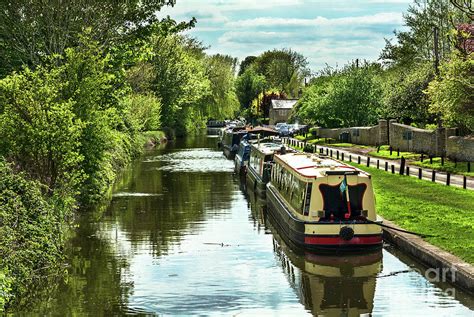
[335, 201]
[290, 187]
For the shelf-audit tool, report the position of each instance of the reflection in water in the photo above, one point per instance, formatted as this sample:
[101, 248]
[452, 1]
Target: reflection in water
[181, 238]
[326, 285]
[332, 285]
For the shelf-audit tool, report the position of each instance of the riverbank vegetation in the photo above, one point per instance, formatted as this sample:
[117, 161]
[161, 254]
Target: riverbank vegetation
[77, 104]
[84, 85]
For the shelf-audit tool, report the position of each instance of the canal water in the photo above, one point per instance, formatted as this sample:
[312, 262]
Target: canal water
[181, 236]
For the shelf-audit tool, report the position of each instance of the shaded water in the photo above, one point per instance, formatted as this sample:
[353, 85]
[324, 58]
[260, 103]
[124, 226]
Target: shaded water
[181, 237]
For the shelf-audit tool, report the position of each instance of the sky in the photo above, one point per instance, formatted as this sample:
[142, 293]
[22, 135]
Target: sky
[325, 32]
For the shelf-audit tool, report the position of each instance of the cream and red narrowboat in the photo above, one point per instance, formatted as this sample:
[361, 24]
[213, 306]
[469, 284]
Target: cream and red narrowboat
[323, 204]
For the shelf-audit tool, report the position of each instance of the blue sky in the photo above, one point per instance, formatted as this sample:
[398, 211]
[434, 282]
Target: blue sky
[326, 32]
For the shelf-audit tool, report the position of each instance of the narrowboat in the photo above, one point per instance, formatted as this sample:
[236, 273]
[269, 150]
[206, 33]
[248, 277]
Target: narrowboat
[323, 204]
[242, 157]
[260, 165]
[230, 141]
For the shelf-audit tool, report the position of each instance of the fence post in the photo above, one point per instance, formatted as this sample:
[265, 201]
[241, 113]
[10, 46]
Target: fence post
[368, 161]
[337, 153]
[448, 179]
[468, 167]
[350, 157]
[393, 169]
[433, 175]
[331, 153]
[398, 152]
[420, 173]
[358, 159]
[431, 159]
[422, 157]
[342, 156]
[408, 170]
[402, 165]
[391, 150]
[386, 166]
[442, 160]
[464, 182]
[378, 164]
[327, 151]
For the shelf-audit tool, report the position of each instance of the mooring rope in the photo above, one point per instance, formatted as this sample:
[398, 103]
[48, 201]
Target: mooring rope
[401, 230]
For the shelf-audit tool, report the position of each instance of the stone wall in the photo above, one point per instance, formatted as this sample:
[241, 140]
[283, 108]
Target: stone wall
[439, 142]
[460, 148]
[375, 135]
[410, 139]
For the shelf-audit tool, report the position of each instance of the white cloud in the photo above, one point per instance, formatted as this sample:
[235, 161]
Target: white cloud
[325, 31]
[379, 18]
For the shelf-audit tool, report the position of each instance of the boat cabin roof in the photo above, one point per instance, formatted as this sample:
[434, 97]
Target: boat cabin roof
[267, 148]
[314, 166]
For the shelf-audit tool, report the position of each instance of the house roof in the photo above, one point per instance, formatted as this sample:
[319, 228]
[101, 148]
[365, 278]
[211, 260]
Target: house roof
[283, 103]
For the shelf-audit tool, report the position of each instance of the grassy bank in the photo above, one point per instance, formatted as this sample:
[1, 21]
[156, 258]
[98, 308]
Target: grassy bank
[384, 152]
[424, 207]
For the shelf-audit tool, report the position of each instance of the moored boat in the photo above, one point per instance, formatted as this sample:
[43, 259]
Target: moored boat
[230, 141]
[242, 157]
[259, 167]
[323, 204]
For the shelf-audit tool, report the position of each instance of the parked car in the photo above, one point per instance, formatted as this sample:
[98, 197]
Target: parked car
[283, 128]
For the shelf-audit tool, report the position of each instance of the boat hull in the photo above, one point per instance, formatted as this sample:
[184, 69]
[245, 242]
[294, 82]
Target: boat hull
[255, 183]
[239, 168]
[228, 152]
[297, 231]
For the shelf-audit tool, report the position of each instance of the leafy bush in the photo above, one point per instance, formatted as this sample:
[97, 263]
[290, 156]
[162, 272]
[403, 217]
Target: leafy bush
[39, 130]
[143, 112]
[31, 231]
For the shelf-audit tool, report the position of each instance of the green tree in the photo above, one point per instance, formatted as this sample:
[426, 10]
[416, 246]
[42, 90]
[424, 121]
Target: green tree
[349, 97]
[403, 94]
[283, 69]
[30, 31]
[452, 92]
[222, 102]
[249, 85]
[249, 60]
[179, 81]
[416, 44]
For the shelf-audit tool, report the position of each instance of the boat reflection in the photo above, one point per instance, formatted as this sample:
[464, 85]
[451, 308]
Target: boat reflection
[331, 285]
[327, 285]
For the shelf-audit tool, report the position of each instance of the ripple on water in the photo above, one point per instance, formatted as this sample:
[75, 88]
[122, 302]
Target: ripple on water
[193, 160]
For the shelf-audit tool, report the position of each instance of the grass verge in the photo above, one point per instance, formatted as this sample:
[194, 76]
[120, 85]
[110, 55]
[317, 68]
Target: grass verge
[424, 207]
[385, 153]
[449, 166]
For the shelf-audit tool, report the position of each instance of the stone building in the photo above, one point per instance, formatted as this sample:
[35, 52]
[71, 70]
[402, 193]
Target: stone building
[280, 110]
